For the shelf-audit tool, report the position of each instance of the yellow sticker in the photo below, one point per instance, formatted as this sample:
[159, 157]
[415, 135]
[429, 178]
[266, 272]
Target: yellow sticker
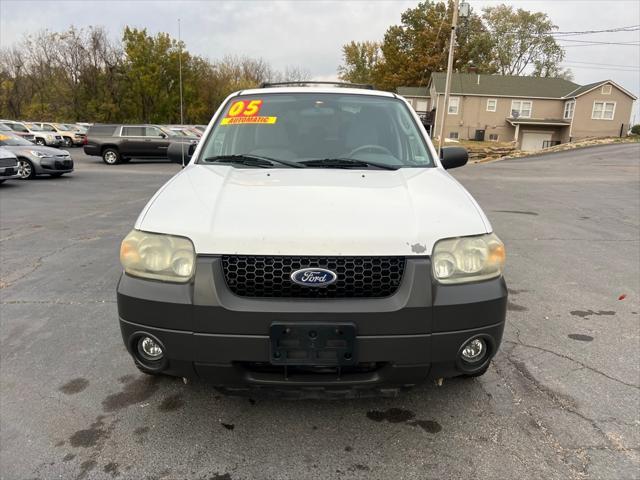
[243, 120]
[4, 137]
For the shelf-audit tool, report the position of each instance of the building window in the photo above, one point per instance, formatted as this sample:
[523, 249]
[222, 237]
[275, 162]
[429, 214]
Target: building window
[568, 109]
[453, 135]
[606, 89]
[603, 110]
[422, 105]
[493, 137]
[521, 108]
[492, 104]
[454, 103]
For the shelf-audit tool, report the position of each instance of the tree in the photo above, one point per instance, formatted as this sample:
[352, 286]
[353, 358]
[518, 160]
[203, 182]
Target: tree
[81, 75]
[360, 60]
[521, 39]
[411, 51]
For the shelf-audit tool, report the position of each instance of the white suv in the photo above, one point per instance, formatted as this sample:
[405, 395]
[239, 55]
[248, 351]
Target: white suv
[313, 242]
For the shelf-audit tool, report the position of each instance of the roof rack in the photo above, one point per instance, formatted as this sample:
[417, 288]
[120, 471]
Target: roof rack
[313, 82]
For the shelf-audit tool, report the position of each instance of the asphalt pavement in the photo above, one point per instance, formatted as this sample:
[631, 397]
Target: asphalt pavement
[561, 399]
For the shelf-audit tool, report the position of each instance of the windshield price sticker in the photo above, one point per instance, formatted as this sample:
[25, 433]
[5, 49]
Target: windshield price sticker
[245, 109]
[245, 120]
[246, 112]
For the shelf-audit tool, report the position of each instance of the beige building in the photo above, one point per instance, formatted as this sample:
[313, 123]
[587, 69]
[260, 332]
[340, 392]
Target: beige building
[532, 111]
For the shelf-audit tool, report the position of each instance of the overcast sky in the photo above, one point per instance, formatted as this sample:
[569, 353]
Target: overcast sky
[310, 34]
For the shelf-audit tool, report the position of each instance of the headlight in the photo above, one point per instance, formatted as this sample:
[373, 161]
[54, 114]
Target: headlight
[160, 257]
[38, 154]
[468, 259]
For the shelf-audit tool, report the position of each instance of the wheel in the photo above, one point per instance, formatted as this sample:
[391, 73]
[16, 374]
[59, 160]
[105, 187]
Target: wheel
[40, 141]
[68, 142]
[479, 373]
[56, 175]
[144, 370]
[111, 156]
[26, 169]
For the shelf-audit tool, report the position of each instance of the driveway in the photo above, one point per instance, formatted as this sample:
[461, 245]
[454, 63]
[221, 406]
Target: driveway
[561, 399]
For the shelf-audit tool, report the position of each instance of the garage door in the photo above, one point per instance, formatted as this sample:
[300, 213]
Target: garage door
[532, 141]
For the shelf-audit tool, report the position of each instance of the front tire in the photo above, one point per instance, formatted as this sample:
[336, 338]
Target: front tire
[26, 170]
[142, 369]
[68, 142]
[111, 156]
[479, 373]
[41, 142]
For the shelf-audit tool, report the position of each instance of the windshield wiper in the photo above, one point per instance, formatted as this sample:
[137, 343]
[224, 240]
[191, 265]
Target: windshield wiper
[346, 163]
[252, 160]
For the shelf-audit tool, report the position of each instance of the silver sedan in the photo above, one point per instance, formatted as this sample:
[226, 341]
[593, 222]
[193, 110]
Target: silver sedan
[36, 160]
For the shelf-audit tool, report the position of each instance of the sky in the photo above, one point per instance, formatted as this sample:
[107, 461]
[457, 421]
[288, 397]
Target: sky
[310, 34]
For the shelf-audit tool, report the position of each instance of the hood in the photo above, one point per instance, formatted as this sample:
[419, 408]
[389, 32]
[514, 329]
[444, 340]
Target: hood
[6, 153]
[226, 210]
[26, 150]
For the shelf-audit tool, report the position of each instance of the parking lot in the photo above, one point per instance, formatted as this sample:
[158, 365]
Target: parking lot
[561, 399]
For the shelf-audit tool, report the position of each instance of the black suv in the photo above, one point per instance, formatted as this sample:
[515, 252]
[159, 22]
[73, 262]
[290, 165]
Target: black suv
[119, 143]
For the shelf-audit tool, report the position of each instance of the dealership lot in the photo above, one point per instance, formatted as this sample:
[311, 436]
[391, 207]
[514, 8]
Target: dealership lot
[560, 401]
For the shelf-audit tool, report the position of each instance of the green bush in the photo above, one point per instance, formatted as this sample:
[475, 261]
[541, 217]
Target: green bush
[636, 129]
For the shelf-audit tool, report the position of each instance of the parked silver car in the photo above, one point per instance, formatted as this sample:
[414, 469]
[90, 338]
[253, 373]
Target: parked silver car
[71, 134]
[36, 160]
[8, 164]
[18, 128]
[43, 137]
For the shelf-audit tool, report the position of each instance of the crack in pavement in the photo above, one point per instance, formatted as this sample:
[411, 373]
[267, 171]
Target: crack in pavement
[55, 302]
[94, 213]
[566, 357]
[552, 441]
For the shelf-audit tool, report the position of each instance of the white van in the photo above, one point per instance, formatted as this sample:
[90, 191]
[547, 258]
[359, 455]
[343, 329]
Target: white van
[314, 242]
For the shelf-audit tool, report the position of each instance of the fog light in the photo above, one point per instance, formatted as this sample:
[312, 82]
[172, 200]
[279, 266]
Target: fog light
[150, 348]
[474, 350]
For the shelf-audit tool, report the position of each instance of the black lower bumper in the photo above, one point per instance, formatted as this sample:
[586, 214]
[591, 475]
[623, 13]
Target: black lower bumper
[416, 334]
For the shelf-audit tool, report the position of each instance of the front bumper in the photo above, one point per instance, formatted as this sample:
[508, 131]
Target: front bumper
[7, 173]
[415, 334]
[54, 165]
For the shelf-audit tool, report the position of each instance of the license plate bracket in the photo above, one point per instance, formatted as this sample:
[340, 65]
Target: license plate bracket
[322, 344]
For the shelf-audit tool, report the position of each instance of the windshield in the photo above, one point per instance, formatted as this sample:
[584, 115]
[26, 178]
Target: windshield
[169, 132]
[34, 128]
[12, 140]
[328, 130]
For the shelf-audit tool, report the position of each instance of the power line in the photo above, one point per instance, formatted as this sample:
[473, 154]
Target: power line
[596, 42]
[629, 44]
[630, 28]
[588, 67]
[602, 64]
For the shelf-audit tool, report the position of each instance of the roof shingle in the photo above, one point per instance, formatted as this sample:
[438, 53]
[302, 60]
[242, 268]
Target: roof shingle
[505, 85]
[413, 91]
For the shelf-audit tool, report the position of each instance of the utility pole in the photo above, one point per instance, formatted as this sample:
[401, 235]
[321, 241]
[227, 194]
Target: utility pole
[447, 88]
[180, 85]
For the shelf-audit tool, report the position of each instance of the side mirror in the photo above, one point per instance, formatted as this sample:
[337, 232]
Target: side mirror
[181, 152]
[163, 135]
[453, 157]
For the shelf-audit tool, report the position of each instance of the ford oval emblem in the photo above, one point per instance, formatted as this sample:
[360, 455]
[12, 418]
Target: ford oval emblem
[314, 277]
